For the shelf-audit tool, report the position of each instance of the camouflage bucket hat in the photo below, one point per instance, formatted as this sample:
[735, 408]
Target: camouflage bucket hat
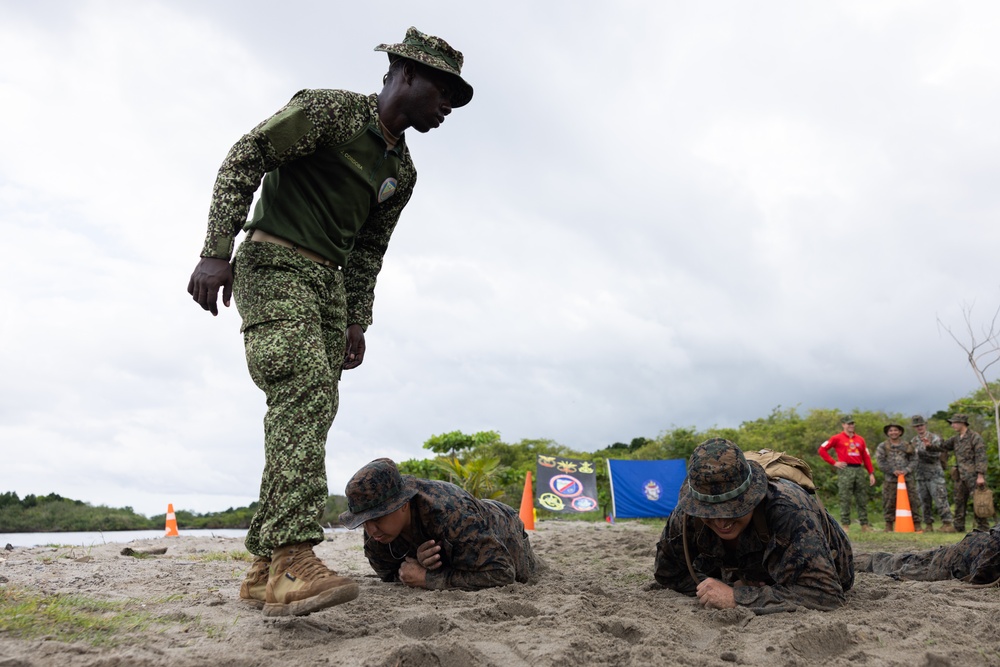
[433, 52]
[846, 419]
[917, 420]
[721, 483]
[885, 429]
[376, 490]
[959, 418]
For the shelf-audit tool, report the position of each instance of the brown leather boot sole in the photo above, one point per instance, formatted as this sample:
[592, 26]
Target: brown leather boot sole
[328, 598]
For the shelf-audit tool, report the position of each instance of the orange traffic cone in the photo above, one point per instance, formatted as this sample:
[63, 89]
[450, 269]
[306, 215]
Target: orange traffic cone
[171, 522]
[904, 516]
[527, 505]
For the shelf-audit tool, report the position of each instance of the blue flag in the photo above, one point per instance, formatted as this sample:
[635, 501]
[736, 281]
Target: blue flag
[645, 488]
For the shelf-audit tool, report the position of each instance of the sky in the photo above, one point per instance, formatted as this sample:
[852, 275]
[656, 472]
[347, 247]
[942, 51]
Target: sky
[651, 215]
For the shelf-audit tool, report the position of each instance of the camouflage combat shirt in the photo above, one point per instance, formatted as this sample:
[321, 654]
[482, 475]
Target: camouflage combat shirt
[331, 185]
[929, 462]
[970, 455]
[483, 543]
[805, 559]
[976, 559]
[892, 457]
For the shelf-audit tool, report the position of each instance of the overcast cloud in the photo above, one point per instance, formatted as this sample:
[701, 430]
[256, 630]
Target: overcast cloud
[652, 214]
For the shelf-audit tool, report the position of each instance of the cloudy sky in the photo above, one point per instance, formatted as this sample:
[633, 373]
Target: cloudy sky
[652, 214]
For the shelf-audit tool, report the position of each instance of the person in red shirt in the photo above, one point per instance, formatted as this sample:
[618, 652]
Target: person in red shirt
[851, 463]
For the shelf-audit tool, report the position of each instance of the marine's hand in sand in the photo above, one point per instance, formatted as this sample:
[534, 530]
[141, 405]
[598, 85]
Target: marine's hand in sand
[413, 573]
[713, 594]
[429, 555]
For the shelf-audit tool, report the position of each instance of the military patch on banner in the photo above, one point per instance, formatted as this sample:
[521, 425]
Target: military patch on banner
[584, 504]
[387, 190]
[652, 490]
[566, 486]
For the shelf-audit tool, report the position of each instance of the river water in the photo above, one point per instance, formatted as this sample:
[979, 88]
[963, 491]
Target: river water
[88, 539]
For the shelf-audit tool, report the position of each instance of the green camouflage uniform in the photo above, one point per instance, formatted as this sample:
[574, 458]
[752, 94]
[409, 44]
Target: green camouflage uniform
[805, 559]
[891, 457]
[332, 187]
[930, 479]
[852, 486]
[976, 560]
[970, 462]
[483, 542]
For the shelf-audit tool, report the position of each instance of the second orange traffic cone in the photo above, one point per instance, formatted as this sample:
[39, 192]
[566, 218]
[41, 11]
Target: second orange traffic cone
[527, 504]
[904, 515]
[171, 522]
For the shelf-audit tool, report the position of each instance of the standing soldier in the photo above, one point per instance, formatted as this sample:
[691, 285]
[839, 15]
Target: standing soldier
[931, 484]
[970, 467]
[852, 454]
[897, 457]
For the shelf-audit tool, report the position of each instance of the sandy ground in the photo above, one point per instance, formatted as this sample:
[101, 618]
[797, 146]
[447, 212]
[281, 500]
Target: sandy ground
[597, 605]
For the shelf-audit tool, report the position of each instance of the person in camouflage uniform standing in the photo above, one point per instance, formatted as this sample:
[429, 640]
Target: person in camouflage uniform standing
[852, 462]
[974, 560]
[765, 544]
[432, 534]
[336, 174]
[931, 484]
[897, 457]
[970, 467]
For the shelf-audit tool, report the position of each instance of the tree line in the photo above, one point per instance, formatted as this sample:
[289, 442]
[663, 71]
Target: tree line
[489, 468]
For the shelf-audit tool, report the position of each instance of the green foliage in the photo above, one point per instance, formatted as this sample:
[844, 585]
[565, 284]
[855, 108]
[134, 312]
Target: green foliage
[456, 441]
[479, 476]
[64, 515]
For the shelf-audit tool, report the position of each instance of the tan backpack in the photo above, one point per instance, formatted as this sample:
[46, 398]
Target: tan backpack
[779, 465]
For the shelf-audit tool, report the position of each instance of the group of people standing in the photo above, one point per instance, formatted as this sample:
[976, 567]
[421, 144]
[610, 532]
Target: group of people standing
[921, 461]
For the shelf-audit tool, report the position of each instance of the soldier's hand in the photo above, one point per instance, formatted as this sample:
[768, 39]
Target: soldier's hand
[713, 594]
[355, 352]
[412, 573]
[208, 276]
[429, 555]
[839, 464]
[980, 480]
[871, 479]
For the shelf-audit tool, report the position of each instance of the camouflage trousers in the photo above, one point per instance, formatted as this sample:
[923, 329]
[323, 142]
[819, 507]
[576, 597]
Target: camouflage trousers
[963, 498]
[852, 484]
[976, 559]
[890, 491]
[934, 493]
[294, 315]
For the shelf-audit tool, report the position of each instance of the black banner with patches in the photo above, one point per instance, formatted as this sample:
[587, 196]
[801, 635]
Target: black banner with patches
[565, 485]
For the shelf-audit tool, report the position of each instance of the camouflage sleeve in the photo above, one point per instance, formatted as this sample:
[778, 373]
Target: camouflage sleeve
[801, 562]
[939, 445]
[671, 568]
[472, 540]
[882, 457]
[979, 452]
[365, 259]
[312, 118]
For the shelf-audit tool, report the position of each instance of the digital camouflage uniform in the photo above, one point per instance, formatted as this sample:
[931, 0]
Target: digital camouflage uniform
[976, 560]
[333, 188]
[970, 461]
[805, 558]
[483, 542]
[852, 487]
[891, 457]
[931, 484]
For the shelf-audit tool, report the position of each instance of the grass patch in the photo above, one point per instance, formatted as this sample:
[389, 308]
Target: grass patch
[213, 556]
[26, 614]
[877, 540]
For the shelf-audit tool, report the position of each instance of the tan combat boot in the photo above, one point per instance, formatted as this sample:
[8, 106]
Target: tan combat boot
[299, 583]
[253, 588]
[888, 526]
[928, 527]
[947, 527]
[866, 528]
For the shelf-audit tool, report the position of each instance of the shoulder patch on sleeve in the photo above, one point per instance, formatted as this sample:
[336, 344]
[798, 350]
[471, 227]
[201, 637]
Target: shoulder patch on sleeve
[286, 127]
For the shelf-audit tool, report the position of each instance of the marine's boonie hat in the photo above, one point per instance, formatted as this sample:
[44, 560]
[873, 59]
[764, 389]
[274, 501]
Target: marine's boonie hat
[376, 490]
[433, 52]
[959, 418]
[721, 483]
[846, 419]
[885, 429]
[917, 420]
